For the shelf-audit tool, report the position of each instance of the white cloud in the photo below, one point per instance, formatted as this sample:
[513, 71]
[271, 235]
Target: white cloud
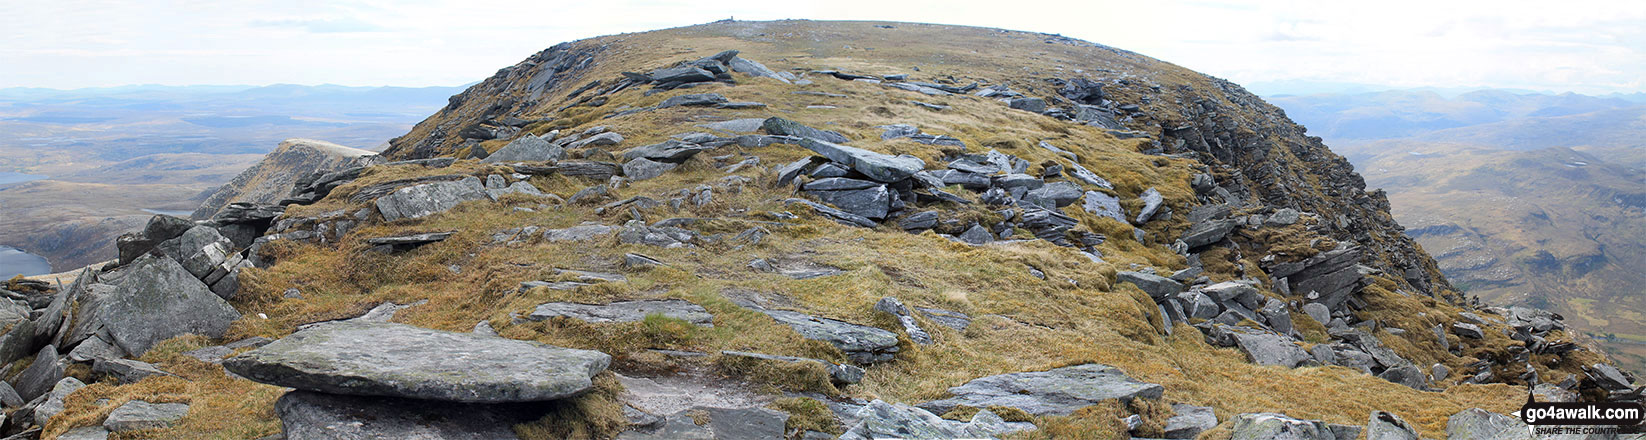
[1587, 46]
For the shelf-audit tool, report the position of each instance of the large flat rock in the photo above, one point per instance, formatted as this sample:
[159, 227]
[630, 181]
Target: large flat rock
[430, 198]
[626, 311]
[861, 343]
[397, 360]
[1059, 391]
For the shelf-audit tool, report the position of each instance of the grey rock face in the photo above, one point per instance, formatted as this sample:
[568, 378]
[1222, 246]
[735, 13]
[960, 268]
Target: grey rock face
[1466, 330]
[878, 166]
[626, 311]
[873, 202]
[1059, 391]
[1084, 175]
[748, 125]
[137, 414]
[577, 233]
[1054, 195]
[784, 127]
[682, 74]
[53, 404]
[861, 343]
[1035, 105]
[947, 318]
[40, 376]
[127, 371]
[879, 420]
[838, 373]
[1319, 312]
[1271, 426]
[1281, 217]
[1190, 421]
[315, 416]
[753, 68]
[1158, 287]
[723, 423]
[430, 198]
[1151, 204]
[86, 433]
[397, 360]
[199, 250]
[671, 151]
[1387, 426]
[528, 148]
[1407, 374]
[1479, 424]
[1263, 348]
[157, 300]
[1104, 205]
[837, 215]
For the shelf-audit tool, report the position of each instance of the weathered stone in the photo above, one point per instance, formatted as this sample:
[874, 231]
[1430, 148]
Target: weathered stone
[41, 375]
[878, 166]
[1607, 377]
[1059, 391]
[636, 232]
[784, 127]
[753, 68]
[636, 261]
[880, 420]
[919, 221]
[157, 300]
[316, 416]
[1084, 175]
[699, 99]
[1207, 232]
[1387, 426]
[199, 250]
[1261, 347]
[427, 199]
[892, 306]
[862, 344]
[1158, 287]
[837, 215]
[126, 371]
[1198, 305]
[722, 423]
[872, 202]
[947, 318]
[397, 360]
[137, 414]
[9, 397]
[645, 169]
[1104, 205]
[670, 151]
[1035, 105]
[682, 74]
[625, 311]
[1151, 204]
[578, 233]
[53, 404]
[838, 373]
[1466, 330]
[528, 148]
[1054, 195]
[84, 433]
[1319, 312]
[1271, 426]
[748, 125]
[1406, 374]
[1190, 421]
[1234, 292]
[1480, 424]
[1281, 217]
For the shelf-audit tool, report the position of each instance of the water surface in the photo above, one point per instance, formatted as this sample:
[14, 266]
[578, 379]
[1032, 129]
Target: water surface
[14, 262]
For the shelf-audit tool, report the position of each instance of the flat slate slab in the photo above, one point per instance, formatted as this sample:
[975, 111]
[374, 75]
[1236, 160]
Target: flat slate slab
[398, 360]
[1059, 391]
[626, 311]
[137, 414]
[861, 343]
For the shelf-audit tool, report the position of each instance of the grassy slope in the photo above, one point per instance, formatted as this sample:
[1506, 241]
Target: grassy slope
[1021, 323]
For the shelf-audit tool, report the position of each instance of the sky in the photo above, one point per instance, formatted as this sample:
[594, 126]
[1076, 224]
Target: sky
[1583, 46]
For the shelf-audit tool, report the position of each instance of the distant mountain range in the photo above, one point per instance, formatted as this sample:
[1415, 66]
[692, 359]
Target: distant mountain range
[1523, 198]
[112, 156]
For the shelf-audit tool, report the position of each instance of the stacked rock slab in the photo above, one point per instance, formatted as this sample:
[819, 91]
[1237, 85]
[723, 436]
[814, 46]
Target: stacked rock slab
[380, 380]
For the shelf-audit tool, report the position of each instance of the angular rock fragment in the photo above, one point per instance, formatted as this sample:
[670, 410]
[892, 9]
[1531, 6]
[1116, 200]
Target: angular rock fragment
[1059, 391]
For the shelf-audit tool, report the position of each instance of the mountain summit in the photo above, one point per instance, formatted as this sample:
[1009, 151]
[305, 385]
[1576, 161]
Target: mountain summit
[801, 229]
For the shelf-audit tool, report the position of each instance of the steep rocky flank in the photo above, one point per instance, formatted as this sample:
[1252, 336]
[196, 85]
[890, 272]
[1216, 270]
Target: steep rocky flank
[271, 179]
[802, 229]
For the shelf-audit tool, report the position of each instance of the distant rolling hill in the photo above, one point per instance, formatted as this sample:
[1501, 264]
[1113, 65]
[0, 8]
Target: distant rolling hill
[1523, 198]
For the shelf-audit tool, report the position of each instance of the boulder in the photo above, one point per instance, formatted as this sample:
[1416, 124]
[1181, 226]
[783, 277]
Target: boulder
[1082, 174]
[159, 229]
[878, 166]
[645, 169]
[892, 306]
[1151, 203]
[947, 318]
[1406, 374]
[681, 74]
[1607, 377]
[126, 371]
[625, 311]
[1271, 426]
[753, 68]
[402, 243]
[837, 215]
[881, 420]
[1281, 217]
[578, 233]
[1035, 105]
[53, 404]
[1387, 426]
[1467, 330]
[157, 300]
[1207, 232]
[41, 375]
[784, 127]
[1158, 287]
[1480, 424]
[137, 414]
[748, 125]
[397, 360]
[838, 373]
[427, 199]
[862, 344]
[1190, 421]
[199, 250]
[1054, 195]
[85, 433]
[1059, 391]
[316, 416]
[873, 202]
[670, 151]
[1263, 348]
[528, 148]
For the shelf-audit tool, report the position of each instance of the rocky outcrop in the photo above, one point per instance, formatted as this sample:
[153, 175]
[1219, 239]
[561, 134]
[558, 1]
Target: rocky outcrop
[625, 311]
[1058, 391]
[879, 420]
[271, 179]
[156, 299]
[316, 416]
[397, 360]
